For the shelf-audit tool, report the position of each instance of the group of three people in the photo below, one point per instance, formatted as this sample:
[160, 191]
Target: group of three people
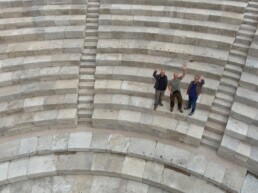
[193, 91]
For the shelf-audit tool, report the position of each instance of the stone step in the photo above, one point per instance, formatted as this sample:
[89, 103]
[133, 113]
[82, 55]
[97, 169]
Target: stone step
[93, 4]
[92, 10]
[238, 53]
[238, 61]
[210, 144]
[85, 113]
[91, 32]
[252, 22]
[218, 119]
[90, 52]
[214, 137]
[85, 99]
[220, 111]
[86, 92]
[233, 68]
[83, 106]
[87, 78]
[224, 97]
[231, 75]
[90, 39]
[229, 82]
[88, 64]
[251, 10]
[253, 4]
[88, 59]
[87, 71]
[215, 127]
[251, 15]
[248, 27]
[227, 90]
[86, 85]
[91, 20]
[245, 33]
[240, 47]
[93, 16]
[90, 45]
[222, 104]
[85, 121]
[92, 26]
[244, 40]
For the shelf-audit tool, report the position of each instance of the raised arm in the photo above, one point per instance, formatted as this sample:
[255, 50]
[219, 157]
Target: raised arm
[201, 80]
[184, 71]
[155, 73]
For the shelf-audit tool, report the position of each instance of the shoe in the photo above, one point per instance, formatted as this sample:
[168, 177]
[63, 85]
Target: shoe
[155, 107]
[191, 113]
[180, 110]
[171, 109]
[160, 104]
[187, 108]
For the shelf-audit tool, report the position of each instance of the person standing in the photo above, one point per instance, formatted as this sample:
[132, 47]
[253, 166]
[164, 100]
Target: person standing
[160, 87]
[174, 89]
[193, 91]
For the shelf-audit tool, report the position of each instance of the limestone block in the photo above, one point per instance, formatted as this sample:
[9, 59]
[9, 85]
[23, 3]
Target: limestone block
[67, 116]
[194, 135]
[236, 128]
[143, 148]
[114, 84]
[54, 102]
[100, 84]
[182, 128]
[177, 181]
[49, 73]
[17, 170]
[140, 102]
[60, 142]
[250, 184]
[133, 168]
[4, 172]
[80, 141]
[252, 135]
[43, 185]
[70, 100]
[99, 184]
[69, 72]
[33, 104]
[120, 100]
[243, 112]
[153, 173]
[136, 187]
[128, 86]
[155, 190]
[228, 145]
[99, 142]
[233, 179]
[45, 117]
[215, 172]
[9, 150]
[102, 100]
[66, 86]
[41, 166]
[165, 124]
[28, 146]
[107, 164]
[202, 186]
[44, 144]
[173, 156]
[243, 151]
[146, 120]
[197, 164]
[118, 143]
[80, 163]
[23, 186]
[127, 118]
[105, 116]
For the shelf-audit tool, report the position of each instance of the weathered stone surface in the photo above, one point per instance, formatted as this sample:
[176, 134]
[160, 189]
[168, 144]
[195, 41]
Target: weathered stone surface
[99, 142]
[43, 185]
[80, 141]
[201, 186]
[3, 172]
[23, 186]
[45, 144]
[233, 179]
[18, 170]
[28, 146]
[60, 142]
[133, 168]
[9, 150]
[250, 184]
[118, 143]
[215, 172]
[142, 147]
[153, 173]
[136, 187]
[107, 164]
[40, 166]
[197, 164]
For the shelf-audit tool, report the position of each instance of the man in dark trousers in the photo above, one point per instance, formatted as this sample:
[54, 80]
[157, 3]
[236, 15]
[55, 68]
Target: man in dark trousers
[193, 91]
[174, 89]
[160, 87]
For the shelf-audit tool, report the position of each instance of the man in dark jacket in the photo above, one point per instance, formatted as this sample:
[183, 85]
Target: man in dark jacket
[193, 91]
[160, 87]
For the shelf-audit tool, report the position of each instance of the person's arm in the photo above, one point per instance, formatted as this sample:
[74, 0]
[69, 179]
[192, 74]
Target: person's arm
[155, 73]
[184, 72]
[202, 82]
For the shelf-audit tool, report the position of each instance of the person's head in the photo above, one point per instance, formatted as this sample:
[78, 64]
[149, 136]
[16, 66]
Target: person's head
[196, 78]
[176, 75]
[162, 72]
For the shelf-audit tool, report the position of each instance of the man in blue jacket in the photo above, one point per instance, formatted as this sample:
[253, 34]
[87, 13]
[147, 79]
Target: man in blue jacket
[160, 87]
[193, 91]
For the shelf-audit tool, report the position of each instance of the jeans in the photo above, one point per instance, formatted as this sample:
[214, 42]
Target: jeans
[192, 103]
[178, 96]
[158, 97]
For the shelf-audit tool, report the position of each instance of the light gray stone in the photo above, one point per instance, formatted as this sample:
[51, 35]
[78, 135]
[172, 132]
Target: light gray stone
[177, 181]
[243, 151]
[155, 190]
[9, 150]
[62, 184]
[153, 173]
[99, 184]
[80, 141]
[60, 142]
[43, 185]
[45, 144]
[133, 168]
[250, 184]
[118, 143]
[23, 186]
[34, 104]
[4, 172]
[233, 179]
[142, 148]
[99, 142]
[136, 187]
[80, 163]
[41, 166]
[236, 128]
[197, 164]
[28, 146]
[18, 170]
[215, 172]
[202, 186]
[107, 164]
